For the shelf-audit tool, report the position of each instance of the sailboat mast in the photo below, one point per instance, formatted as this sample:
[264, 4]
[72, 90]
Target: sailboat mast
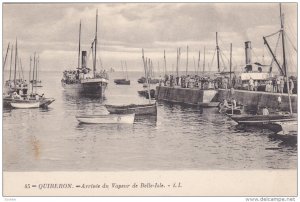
[218, 52]
[37, 67]
[230, 64]
[78, 66]
[5, 56]
[94, 69]
[11, 58]
[16, 55]
[33, 71]
[21, 69]
[187, 59]
[198, 67]
[122, 67]
[30, 69]
[126, 70]
[204, 61]
[165, 62]
[148, 84]
[284, 59]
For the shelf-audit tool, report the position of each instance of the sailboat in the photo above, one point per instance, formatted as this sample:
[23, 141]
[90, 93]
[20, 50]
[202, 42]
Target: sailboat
[274, 122]
[36, 82]
[14, 84]
[124, 81]
[84, 81]
[33, 100]
[138, 109]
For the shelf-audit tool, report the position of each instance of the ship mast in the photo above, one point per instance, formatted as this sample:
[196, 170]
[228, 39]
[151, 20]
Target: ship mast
[11, 58]
[16, 55]
[284, 59]
[218, 52]
[204, 61]
[94, 66]
[165, 62]
[79, 45]
[230, 65]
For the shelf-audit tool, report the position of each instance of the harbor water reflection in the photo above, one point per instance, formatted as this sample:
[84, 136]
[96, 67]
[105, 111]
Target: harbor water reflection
[180, 138]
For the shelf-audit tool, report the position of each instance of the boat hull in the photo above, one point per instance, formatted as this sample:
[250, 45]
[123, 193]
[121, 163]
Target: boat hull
[146, 109]
[87, 87]
[106, 119]
[261, 120]
[283, 128]
[25, 105]
[122, 82]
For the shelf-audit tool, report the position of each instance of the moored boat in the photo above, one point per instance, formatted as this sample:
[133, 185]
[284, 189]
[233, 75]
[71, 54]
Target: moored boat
[283, 128]
[138, 109]
[82, 80]
[106, 119]
[261, 120]
[25, 104]
[122, 82]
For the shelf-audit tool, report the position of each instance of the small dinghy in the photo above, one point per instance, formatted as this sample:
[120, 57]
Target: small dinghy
[106, 119]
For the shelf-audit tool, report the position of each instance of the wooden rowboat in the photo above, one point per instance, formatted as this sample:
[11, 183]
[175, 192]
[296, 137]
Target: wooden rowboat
[106, 119]
[261, 120]
[138, 109]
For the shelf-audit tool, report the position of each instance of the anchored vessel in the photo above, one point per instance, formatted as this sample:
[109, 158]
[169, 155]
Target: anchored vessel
[83, 80]
[106, 119]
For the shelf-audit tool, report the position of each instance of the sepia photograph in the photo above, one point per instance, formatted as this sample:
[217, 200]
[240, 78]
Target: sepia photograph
[149, 99]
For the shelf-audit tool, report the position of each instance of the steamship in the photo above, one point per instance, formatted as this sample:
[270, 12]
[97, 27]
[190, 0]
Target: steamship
[83, 80]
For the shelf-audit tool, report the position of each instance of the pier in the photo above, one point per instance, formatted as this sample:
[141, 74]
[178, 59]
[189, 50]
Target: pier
[251, 99]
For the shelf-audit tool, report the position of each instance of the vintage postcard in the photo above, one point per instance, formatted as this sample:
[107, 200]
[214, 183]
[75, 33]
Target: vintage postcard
[149, 99]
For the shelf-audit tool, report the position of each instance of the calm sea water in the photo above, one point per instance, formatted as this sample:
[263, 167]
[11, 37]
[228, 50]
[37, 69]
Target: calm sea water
[181, 138]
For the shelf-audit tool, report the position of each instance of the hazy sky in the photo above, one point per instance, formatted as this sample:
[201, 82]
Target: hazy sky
[125, 28]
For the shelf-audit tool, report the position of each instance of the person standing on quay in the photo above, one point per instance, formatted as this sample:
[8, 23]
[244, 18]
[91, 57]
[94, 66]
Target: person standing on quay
[291, 85]
[278, 84]
[274, 85]
[281, 85]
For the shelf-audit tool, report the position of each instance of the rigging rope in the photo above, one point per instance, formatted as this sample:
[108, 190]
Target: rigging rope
[287, 36]
[213, 58]
[273, 34]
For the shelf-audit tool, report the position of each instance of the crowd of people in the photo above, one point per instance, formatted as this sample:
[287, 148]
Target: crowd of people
[74, 76]
[195, 81]
[18, 85]
[275, 85]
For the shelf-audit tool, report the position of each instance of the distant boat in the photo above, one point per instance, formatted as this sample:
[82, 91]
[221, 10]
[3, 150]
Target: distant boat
[138, 109]
[151, 81]
[106, 119]
[122, 82]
